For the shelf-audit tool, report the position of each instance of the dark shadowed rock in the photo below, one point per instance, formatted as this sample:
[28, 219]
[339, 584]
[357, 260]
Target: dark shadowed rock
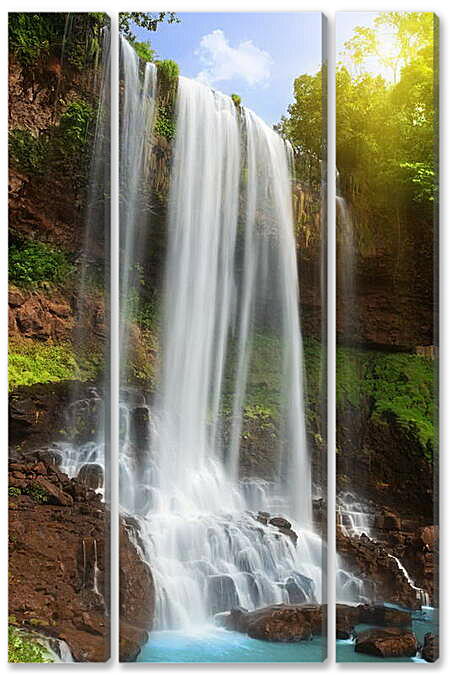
[383, 616]
[430, 649]
[136, 595]
[222, 593]
[91, 475]
[386, 642]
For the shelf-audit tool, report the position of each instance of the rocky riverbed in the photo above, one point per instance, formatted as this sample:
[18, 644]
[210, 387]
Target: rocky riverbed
[59, 564]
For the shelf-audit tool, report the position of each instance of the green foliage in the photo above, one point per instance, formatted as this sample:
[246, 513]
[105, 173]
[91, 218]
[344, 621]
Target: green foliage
[74, 125]
[32, 262]
[385, 123]
[30, 362]
[27, 152]
[143, 20]
[392, 387]
[37, 493]
[236, 100]
[23, 648]
[144, 51]
[165, 122]
[168, 73]
[29, 36]
[34, 37]
[14, 492]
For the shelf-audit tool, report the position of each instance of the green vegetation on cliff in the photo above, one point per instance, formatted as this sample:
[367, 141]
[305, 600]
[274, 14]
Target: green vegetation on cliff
[23, 648]
[30, 362]
[396, 388]
[32, 262]
[34, 38]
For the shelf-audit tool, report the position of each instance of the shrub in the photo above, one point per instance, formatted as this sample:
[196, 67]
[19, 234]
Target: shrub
[74, 125]
[32, 262]
[29, 36]
[165, 122]
[168, 72]
[236, 100]
[23, 648]
[27, 152]
[144, 51]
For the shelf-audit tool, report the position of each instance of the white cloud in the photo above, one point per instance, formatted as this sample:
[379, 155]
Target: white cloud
[223, 62]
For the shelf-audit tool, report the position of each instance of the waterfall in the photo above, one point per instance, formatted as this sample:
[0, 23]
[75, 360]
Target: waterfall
[230, 278]
[138, 83]
[86, 419]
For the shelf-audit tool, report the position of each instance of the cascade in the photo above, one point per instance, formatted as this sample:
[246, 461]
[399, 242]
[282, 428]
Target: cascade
[230, 278]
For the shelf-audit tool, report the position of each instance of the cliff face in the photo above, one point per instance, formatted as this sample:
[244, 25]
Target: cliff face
[385, 278]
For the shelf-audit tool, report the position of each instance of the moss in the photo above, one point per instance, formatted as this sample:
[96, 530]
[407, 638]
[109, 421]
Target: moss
[14, 492]
[393, 387]
[32, 262]
[23, 648]
[30, 362]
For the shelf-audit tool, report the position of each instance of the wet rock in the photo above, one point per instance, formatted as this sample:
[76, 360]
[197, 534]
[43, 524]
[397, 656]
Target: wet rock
[91, 475]
[140, 426]
[386, 642]
[430, 649]
[222, 593]
[277, 623]
[280, 523]
[55, 494]
[136, 595]
[383, 616]
[300, 589]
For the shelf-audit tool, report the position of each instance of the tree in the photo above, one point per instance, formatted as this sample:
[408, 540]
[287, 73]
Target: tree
[143, 20]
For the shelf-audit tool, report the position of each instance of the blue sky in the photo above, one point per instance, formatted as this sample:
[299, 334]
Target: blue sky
[256, 55]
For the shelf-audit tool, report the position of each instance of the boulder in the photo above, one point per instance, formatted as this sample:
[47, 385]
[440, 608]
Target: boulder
[136, 594]
[430, 649]
[55, 494]
[383, 616]
[276, 623]
[222, 593]
[386, 642]
[91, 475]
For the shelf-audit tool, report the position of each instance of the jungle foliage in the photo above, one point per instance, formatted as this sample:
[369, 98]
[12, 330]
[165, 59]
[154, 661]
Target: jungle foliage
[32, 262]
[36, 37]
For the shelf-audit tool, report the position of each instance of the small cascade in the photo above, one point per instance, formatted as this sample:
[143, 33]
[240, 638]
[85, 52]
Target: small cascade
[230, 279]
[421, 594]
[353, 517]
[356, 520]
